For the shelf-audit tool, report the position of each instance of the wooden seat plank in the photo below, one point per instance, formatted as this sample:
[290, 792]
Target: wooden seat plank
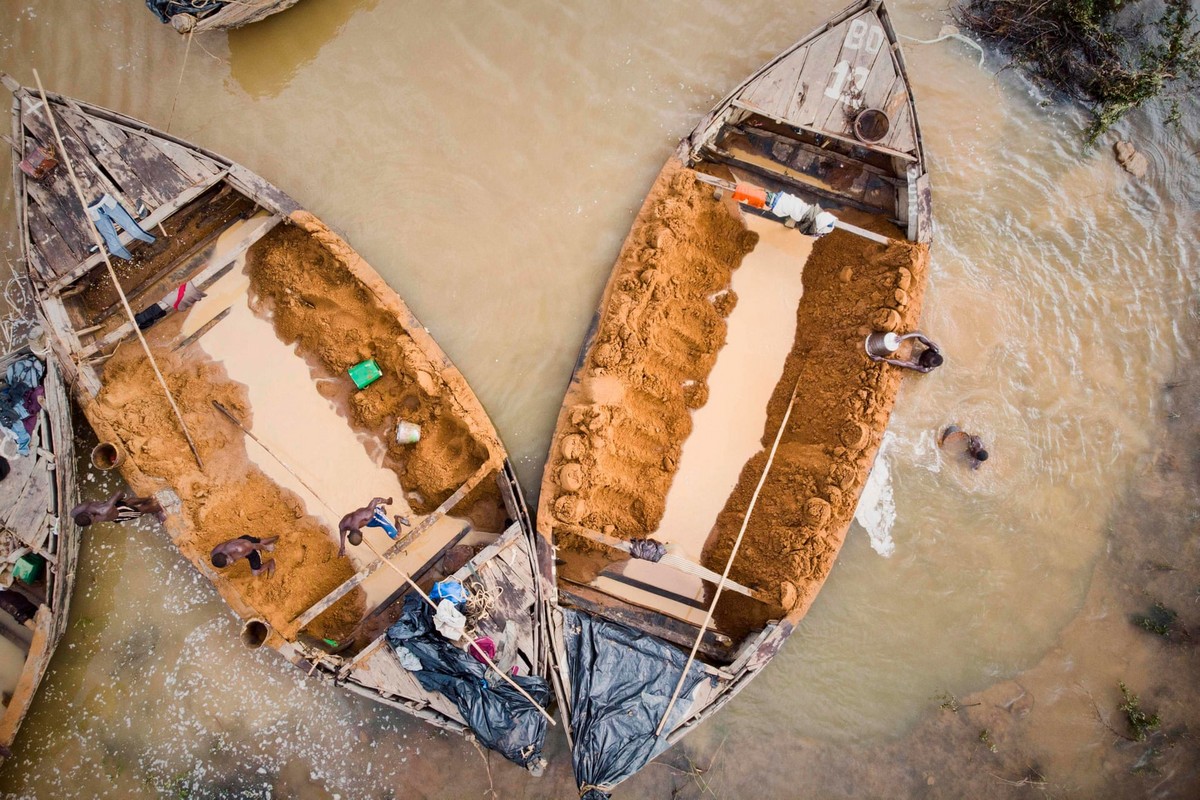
[102, 150]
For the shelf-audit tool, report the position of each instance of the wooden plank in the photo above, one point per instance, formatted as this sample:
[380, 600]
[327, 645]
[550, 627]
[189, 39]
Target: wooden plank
[815, 77]
[882, 84]
[49, 243]
[93, 182]
[195, 166]
[903, 135]
[680, 634]
[202, 280]
[110, 159]
[158, 172]
[349, 584]
[111, 133]
[53, 199]
[776, 91]
[836, 113]
[158, 215]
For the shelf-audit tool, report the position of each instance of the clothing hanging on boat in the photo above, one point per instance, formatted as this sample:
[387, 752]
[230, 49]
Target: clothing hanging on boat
[21, 398]
[107, 212]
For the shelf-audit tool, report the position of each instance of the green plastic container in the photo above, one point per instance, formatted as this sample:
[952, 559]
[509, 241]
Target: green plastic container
[28, 568]
[365, 373]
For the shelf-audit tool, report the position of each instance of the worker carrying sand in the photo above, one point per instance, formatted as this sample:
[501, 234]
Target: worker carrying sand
[247, 547]
[881, 345]
[118, 508]
[372, 516]
[956, 439]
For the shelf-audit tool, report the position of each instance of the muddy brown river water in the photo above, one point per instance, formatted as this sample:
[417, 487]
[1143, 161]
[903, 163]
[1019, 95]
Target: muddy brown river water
[487, 158]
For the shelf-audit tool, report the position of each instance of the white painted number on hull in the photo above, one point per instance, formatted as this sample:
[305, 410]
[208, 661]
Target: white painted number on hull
[860, 36]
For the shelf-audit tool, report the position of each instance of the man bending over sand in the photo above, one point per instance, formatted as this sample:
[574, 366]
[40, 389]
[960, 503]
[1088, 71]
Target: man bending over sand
[118, 508]
[372, 516]
[247, 547]
[929, 359]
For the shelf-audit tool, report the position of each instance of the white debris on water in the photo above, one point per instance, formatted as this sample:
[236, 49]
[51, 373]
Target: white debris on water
[877, 506]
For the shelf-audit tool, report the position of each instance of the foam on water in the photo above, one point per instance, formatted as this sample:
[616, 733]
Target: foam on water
[877, 505]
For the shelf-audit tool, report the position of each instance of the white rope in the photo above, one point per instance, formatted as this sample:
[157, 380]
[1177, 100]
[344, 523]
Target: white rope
[949, 32]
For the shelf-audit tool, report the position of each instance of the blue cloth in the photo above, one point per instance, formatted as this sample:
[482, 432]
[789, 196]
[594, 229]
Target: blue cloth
[106, 212]
[21, 379]
[453, 591]
[380, 520]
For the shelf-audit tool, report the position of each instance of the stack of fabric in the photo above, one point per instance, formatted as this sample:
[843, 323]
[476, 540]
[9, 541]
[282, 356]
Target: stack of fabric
[21, 396]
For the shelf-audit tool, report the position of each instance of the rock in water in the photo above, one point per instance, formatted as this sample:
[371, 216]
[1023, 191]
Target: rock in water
[1128, 157]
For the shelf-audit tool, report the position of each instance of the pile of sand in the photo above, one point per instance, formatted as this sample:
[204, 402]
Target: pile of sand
[624, 423]
[315, 290]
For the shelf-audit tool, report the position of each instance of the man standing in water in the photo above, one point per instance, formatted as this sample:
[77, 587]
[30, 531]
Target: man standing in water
[118, 508]
[970, 444]
[372, 516]
[247, 547]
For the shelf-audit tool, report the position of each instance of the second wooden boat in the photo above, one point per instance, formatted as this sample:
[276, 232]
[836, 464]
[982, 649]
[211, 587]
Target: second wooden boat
[39, 544]
[201, 16]
[307, 388]
[723, 416]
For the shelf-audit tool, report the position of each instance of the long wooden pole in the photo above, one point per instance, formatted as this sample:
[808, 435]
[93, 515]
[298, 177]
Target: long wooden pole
[729, 564]
[402, 573]
[475, 648]
[112, 272]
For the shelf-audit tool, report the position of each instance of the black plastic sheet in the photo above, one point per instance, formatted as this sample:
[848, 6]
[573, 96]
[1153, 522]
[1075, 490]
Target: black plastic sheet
[498, 715]
[165, 9]
[621, 683]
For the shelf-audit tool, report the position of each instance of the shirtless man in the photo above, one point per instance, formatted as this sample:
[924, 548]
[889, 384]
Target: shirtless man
[929, 359]
[372, 516]
[246, 547]
[971, 445]
[118, 508]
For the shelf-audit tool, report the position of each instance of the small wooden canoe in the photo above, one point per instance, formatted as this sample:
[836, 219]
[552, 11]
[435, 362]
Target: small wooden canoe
[265, 370]
[202, 16]
[723, 415]
[36, 532]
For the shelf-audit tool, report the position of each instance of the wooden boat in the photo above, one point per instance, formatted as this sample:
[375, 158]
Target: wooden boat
[287, 441]
[202, 16]
[36, 532]
[723, 415]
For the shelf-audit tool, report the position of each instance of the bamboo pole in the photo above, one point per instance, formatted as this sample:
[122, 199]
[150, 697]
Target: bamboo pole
[484, 656]
[729, 564]
[112, 272]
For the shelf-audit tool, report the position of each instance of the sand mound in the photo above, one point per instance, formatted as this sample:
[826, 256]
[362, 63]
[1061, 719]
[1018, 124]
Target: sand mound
[622, 428]
[320, 296]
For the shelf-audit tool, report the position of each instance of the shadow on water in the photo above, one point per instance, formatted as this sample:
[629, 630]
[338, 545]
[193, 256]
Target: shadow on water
[265, 57]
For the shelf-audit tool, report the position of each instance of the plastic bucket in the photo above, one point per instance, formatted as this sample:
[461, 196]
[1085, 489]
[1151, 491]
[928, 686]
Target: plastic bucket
[408, 433]
[106, 456]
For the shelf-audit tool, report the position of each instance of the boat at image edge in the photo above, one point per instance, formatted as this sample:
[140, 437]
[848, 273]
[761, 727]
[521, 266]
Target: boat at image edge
[210, 218]
[37, 531]
[831, 120]
[216, 15]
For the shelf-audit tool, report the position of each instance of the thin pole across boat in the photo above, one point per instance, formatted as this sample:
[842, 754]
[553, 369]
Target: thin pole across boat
[729, 564]
[113, 273]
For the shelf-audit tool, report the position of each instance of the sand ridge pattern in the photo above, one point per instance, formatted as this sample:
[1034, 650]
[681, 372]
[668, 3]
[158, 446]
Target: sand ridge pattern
[623, 425]
[851, 288]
